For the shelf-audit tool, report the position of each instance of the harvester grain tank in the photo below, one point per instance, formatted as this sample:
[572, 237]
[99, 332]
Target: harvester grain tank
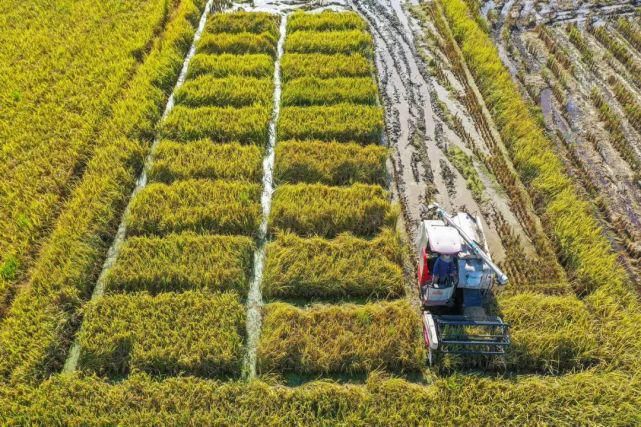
[455, 275]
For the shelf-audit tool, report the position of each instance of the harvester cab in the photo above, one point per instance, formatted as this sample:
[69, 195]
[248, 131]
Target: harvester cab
[455, 273]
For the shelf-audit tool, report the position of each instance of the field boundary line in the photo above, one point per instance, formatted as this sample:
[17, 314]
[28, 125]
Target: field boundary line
[255, 296]
[112, 254]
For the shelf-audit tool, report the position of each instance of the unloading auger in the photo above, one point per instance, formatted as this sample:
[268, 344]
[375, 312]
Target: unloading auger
[455, 273]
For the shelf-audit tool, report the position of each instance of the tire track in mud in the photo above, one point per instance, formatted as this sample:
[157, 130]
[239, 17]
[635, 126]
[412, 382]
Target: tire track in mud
[415, 131]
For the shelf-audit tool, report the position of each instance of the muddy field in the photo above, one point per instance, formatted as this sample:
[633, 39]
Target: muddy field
[579, 64]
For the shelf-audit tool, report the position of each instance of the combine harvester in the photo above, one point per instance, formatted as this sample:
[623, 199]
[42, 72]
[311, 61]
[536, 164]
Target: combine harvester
[454, 320]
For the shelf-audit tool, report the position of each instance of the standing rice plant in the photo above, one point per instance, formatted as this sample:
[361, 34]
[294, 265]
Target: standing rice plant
[180, 262]
[346, 42]
[175, 161]
[169, 334]
[330, 163]
[346, 266]
[196, 205]
[585, 398]
[341, 122]
[315, 91]
[225, 65]
[235, 91]
[325, 21]
[322, 66]
[240, 22]
[346, 338]
[239, 44]
[549, 333]
[316, 209]
[247, 125]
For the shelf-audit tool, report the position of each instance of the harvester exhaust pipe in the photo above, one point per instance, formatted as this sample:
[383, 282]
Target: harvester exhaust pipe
[500, 276]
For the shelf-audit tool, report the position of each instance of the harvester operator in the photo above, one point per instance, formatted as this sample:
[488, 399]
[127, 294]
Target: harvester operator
[444, 271]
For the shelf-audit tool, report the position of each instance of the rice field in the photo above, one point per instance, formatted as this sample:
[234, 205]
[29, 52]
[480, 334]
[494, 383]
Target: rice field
[234, 261]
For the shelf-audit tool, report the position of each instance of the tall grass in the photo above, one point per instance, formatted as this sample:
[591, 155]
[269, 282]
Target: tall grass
[247, 125]
[175, 161]
[355, 338]
[316, 209]
[180, 262]
[36, 332]
[235, 91]
[325, 21]
[346, 42]
[315, 91]
[239, 44]
[225, 65]
[240, 22]
[169, 334]
[549, 333]
[341, 122]
[346, 266]
[330, 163]
[196, 205]
[296, 65]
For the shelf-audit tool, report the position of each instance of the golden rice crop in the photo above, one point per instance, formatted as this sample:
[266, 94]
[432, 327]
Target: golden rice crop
[585, 398]
[549, 333]
[174, 161]
[343, 338]
[316, 209]
[325, 21]
[169, 334]
[241, 43]
[295, 65]
[584, 250]
[225, 65]
[196, 205]
[315, 91]
[62, 84]
[341, 122]
[330, 163]
[235, 91]
[346, 266]
[36, 332]
[350, 41]
[247, 125]
[240, 21]
[180, 262]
